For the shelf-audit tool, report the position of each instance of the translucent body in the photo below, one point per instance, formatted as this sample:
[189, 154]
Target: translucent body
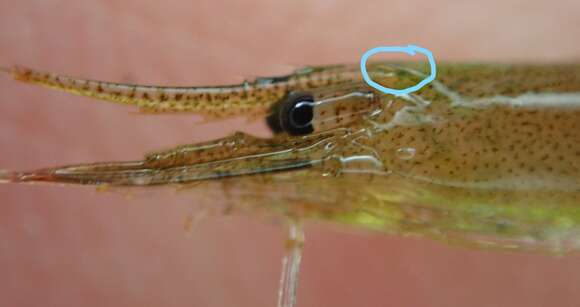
[487, 155]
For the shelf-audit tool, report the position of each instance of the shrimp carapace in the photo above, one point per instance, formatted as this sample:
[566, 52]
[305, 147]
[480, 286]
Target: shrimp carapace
[486, 154]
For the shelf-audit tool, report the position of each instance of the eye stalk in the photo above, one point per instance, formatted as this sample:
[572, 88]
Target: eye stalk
[300, 113]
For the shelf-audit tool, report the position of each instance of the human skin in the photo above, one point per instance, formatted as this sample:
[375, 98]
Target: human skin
[74, 246]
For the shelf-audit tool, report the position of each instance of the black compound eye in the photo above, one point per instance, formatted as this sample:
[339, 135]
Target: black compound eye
[293, 114]
[301, 114]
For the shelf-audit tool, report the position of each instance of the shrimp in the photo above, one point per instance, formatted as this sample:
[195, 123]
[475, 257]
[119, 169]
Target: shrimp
[488, 155]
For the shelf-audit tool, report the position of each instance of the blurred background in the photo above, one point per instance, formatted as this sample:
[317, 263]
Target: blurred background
[77, 247]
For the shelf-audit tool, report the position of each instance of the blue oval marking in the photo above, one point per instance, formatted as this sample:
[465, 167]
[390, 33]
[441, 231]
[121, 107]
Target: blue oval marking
[410, 50]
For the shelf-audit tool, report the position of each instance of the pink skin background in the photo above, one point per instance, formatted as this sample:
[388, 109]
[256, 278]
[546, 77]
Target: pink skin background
[75, 247]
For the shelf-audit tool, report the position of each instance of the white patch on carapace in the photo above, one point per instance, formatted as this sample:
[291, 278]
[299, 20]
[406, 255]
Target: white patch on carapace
[455, 97]
[535, 100]
[408, 116]
[363, 158]
[530, 99]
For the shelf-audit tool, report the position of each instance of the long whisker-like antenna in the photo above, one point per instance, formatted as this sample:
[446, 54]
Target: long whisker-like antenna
[249, 99]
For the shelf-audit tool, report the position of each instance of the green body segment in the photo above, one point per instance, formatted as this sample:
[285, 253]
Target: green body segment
[487, 155]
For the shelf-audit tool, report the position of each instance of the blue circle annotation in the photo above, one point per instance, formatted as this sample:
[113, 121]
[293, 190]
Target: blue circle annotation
[410, 50]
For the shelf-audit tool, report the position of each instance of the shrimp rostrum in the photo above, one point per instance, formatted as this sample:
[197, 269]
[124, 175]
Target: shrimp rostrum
[486, 155]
